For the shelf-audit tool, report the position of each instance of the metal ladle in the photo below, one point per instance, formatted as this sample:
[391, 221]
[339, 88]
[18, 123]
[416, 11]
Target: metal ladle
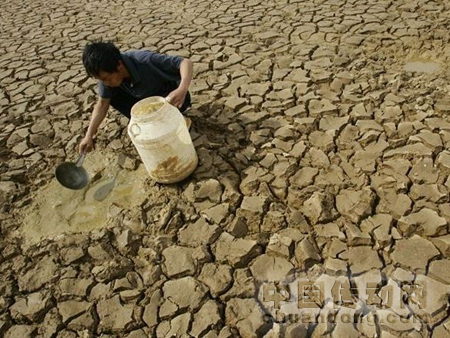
[72, 175]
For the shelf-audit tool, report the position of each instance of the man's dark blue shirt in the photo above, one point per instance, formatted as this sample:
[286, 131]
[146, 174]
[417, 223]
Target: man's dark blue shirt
[152, 74]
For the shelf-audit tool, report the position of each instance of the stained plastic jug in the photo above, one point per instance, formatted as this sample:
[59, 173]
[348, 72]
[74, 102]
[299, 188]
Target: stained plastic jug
[159, 133]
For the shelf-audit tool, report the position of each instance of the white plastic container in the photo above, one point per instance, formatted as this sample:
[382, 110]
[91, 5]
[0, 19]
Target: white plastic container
[159, 133]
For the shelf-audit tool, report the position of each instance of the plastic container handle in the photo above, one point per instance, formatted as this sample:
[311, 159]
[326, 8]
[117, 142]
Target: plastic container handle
[137, 130]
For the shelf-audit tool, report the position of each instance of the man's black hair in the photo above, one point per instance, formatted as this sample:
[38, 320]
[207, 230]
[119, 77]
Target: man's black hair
[99, 56]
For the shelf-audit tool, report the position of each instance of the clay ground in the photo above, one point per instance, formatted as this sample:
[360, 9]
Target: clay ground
[320, 156]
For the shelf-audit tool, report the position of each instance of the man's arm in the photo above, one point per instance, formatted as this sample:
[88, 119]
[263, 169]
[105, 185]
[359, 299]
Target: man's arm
[98, 115]
[177, 97]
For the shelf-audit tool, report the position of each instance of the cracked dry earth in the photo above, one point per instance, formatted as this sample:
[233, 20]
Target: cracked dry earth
[320, 154]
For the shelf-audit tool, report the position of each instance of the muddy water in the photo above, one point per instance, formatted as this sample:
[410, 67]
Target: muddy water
[56, 210]
[421, 66]
[146, 108]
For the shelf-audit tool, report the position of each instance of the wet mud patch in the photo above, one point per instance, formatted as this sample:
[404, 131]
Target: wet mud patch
[56, 210]
[421, 66]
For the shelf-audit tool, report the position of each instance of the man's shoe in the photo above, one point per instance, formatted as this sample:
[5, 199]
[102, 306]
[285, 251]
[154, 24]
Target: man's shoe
[188, 122]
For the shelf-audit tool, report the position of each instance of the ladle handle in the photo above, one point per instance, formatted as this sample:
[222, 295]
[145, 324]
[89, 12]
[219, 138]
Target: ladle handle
[80, 159]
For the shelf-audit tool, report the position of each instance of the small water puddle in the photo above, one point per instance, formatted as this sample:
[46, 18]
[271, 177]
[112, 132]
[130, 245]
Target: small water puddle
[56, 210]
[421, 66]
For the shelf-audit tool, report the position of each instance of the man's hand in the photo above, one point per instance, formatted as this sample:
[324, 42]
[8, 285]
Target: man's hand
[98, 115]
[86, 145]
[176, 98]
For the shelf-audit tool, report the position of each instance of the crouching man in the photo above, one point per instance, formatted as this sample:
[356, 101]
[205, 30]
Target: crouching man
[126, 78]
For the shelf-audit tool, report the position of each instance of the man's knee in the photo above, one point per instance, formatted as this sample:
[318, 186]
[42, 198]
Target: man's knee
[187, 103]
